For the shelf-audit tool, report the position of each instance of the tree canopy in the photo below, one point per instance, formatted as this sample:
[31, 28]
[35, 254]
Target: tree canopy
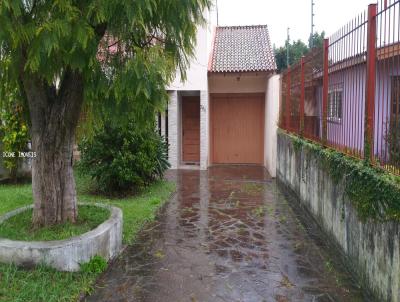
[113, 57]
[141, 42]
[297, 49]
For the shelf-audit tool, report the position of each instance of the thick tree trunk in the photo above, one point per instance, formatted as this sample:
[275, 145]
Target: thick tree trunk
[54, 117]
[53, 182]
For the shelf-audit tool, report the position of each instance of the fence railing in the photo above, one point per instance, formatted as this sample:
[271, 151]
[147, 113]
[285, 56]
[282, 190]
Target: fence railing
[346, 94]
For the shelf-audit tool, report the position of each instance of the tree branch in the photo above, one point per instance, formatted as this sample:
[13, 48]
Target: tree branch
[100, 30]
[70, 97]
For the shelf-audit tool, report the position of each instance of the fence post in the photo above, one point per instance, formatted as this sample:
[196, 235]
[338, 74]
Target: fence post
[325, 91]
[370, 84]
[288, 104]
[302, 96]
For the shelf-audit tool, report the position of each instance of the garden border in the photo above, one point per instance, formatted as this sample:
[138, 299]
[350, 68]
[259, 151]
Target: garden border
[66, 255]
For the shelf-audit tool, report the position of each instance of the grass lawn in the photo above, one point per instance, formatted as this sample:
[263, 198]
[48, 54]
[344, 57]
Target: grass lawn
[44, 284]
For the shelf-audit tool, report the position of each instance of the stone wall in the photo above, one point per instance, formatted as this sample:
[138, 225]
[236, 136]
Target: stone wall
[371, 250]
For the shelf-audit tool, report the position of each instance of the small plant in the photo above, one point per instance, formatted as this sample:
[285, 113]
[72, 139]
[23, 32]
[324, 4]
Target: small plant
[123, 158]
[96, 265]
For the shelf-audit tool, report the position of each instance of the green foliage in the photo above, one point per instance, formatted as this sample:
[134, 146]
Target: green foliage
[96, 265]
[113, 58]
[374, 192]
[14, 134]
[126, 52]
[317, 40]
[42, 284]
[19, 227]
[123, 158]
[297, 49]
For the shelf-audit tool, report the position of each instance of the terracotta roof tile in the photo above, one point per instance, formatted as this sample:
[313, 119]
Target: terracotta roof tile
[241, 49]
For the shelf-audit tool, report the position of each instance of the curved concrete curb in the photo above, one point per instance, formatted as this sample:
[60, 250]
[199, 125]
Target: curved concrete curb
[66, 255]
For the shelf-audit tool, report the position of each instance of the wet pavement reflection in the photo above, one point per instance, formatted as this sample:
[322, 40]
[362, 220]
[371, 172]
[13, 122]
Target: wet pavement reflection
[228, 234]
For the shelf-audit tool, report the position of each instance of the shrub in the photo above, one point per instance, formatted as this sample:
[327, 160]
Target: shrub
[122, 159]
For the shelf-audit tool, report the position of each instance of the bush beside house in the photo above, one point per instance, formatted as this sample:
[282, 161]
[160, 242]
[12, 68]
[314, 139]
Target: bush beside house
[123, 159]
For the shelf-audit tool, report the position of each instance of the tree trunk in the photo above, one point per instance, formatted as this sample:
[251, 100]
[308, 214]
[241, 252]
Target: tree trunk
[54, 117]
[53, 180]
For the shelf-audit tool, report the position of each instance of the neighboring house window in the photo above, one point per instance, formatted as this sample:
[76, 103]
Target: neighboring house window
[335, 100]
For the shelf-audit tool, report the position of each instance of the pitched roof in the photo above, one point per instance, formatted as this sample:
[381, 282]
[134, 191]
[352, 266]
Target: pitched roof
[241, 49]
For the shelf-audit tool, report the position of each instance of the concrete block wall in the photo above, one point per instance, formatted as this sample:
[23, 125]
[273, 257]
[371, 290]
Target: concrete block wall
[371, 249]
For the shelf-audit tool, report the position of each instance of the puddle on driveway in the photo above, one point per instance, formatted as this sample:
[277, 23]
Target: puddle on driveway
[227, 235]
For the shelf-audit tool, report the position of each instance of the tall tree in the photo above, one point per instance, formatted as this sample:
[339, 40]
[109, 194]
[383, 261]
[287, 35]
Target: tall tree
[317, 39]
[297, 49]
[113, 55]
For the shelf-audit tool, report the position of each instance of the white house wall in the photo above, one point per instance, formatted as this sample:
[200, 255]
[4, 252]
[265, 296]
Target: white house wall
[272, 96]
[173, 129]
[196, 74]
[196, 81]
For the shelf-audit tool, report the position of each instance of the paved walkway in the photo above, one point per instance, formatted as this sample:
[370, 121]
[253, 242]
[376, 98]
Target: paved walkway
[227, 235]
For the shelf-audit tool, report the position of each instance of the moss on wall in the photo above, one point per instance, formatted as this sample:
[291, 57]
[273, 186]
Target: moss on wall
[374, 192]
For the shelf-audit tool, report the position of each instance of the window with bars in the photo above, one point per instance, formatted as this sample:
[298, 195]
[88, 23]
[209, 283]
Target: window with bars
[335, 100]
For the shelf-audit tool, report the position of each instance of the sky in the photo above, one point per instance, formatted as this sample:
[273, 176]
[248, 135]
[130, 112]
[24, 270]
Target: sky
[330, 15]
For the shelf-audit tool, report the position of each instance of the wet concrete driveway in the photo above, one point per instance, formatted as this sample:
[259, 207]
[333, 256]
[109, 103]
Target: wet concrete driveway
[227, 235]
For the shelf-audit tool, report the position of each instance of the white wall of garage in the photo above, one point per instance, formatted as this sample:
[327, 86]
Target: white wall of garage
[272, 96]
